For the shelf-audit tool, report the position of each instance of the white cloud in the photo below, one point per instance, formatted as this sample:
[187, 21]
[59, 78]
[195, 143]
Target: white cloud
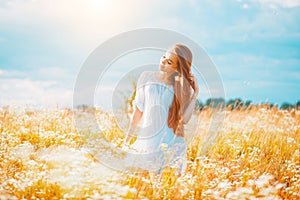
[267, 24]
[66, 75]
[47, 86]
[282, 3]
[213, 24]
[11, 73]
[245, 6]
[84, 22]
[75, 25]
[63, 75]
[25, 91]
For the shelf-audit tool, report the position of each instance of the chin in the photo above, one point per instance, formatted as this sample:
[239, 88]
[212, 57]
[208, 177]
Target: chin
[161, 71]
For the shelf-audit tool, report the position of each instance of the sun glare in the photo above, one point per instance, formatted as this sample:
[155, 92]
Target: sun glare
[99, 3]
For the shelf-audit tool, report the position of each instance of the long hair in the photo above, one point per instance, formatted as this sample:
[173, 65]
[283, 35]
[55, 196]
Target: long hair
[182, 89]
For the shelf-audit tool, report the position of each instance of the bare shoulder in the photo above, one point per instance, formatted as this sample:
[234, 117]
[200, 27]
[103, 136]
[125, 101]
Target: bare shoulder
[148, 73]
[146, 76]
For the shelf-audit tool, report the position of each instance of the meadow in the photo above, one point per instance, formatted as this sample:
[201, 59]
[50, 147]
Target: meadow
[253, 153]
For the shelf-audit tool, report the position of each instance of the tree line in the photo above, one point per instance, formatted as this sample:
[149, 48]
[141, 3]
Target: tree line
[221, 103]
[238, 103]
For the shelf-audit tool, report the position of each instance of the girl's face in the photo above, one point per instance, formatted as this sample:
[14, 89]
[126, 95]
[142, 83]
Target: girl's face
[168, 62]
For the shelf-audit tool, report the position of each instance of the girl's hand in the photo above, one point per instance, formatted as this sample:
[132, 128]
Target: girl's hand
[125, 147]
[126, 141]
[126, 144]
[194, 84]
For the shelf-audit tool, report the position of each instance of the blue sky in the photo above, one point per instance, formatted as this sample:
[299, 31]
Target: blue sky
[254, 44]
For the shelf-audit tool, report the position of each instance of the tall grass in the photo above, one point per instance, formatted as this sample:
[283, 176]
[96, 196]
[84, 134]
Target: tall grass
[256, 154]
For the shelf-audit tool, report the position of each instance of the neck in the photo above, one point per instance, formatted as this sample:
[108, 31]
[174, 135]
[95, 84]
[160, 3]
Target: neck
[166, 77]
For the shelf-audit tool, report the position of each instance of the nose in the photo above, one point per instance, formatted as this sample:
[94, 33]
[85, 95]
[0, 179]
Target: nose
[163, 60]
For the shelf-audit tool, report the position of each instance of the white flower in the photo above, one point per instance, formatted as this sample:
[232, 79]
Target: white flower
[224, 184]
[263, 180]
[164, 146]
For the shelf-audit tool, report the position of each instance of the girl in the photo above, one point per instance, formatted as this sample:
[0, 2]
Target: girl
[164, 102]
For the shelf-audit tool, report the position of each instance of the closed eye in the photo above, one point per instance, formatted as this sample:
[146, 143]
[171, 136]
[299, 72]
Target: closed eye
[170, 62]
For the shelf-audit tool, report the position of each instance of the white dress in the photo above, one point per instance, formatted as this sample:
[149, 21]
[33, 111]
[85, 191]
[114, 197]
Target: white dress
[156, 144]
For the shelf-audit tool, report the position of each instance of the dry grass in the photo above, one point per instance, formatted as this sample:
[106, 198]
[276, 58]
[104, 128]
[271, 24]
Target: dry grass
[256, 154]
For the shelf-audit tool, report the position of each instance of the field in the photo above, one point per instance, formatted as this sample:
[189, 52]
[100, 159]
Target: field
[251, 153]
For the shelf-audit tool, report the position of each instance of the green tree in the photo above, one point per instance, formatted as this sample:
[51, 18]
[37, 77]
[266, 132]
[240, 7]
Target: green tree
[215, 102]
[297, 105]
[199, 105]
[286, 106]
[235, 103]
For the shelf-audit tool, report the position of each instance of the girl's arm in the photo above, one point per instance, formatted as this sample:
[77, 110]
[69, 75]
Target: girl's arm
[136, 118]
[189, 110]
[187, 114]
